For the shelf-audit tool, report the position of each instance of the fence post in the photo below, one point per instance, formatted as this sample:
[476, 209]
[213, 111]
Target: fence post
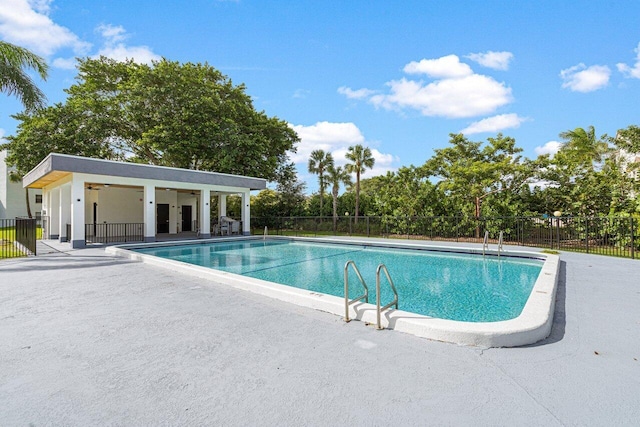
[586, 227]
[633, 248]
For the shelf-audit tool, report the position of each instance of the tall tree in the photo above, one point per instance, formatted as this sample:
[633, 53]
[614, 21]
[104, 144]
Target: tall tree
[170, 114]
[319, 163]
[584, 175]
[583, 149]
[337, 176]
[469, 172]
[14, 79]
[361, 159]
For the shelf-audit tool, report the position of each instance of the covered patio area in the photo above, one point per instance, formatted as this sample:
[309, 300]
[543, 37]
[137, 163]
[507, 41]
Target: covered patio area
[102, 201]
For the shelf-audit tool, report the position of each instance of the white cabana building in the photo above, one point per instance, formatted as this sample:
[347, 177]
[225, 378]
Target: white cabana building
[89, 200]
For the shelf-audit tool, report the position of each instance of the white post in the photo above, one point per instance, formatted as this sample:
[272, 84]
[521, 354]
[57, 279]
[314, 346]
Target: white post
[64, 216]
[77, 214]
[53, 211]
[222, 205]
[205, 213]
[149, 213]
[246, 212]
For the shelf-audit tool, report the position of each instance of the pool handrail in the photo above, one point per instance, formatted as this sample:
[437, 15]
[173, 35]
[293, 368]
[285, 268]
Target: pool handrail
[500, 242]
[379, 310]
[364, 296]
[485, 241]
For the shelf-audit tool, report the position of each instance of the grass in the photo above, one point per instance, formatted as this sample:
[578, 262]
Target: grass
[7, 238]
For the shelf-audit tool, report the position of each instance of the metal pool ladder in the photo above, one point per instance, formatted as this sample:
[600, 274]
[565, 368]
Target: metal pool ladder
[485, 242]
[266, 233]
[364, 296]
[379, 310]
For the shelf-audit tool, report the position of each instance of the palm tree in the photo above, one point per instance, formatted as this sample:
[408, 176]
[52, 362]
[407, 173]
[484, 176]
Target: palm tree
[335, 177]
[361, 160]
[583, 147]
[319, 163]
[13, 78]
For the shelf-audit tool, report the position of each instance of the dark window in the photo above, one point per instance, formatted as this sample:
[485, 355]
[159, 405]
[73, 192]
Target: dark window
[38, 198]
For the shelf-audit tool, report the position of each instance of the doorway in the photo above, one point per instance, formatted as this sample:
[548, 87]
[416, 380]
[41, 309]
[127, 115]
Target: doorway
[186, 218]
[162, 218]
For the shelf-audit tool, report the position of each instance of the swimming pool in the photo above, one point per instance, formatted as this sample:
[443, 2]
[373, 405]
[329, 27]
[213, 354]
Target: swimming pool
[446, 293]
[443, 285]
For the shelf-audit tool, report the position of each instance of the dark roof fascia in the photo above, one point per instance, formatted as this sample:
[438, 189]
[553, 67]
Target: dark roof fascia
[76, 164]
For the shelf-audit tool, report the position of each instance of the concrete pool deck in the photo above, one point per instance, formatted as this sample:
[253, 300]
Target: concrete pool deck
[88, 338]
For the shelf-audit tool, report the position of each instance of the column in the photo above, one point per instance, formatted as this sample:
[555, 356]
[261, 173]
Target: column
[53, 211]
[149, 213]
[205, 213]
[246, 212]
[77, 214]
[222, 205]
[64, 217]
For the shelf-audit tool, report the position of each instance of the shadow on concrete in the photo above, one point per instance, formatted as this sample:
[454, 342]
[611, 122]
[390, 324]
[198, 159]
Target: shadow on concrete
[70, 262]
[559, 315]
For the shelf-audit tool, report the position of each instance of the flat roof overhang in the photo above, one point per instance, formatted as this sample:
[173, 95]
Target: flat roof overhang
[57, 166]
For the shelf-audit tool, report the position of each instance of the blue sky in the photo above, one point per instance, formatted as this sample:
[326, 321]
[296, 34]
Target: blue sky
[397, 76]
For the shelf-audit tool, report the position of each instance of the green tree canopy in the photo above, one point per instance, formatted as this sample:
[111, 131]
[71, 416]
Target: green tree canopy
[469, 172]
[168, 113]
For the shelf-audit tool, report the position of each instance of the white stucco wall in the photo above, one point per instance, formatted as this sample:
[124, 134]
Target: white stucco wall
[115, 205]
[12, 198]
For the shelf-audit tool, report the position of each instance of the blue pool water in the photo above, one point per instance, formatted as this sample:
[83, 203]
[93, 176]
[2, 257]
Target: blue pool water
[444, 285]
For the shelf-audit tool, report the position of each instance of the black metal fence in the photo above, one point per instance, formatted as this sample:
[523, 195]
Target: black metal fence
[114, 232]
[617, 236]
[18, 237]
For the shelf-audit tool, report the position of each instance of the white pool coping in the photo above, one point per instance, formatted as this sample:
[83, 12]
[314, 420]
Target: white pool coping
[532, 325]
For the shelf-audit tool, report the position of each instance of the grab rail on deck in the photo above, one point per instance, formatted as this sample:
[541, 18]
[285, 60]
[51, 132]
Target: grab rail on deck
[265, 234]
[500, 243]
[485, 242]
[364, 296]
[379, 310]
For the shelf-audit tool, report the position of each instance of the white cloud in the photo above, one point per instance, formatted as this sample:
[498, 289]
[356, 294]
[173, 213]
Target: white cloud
[112, 34]
[28, 24]
[490, 59]
[64, 63]
[355, 94]
[336, 138]
[581, 78]
[455, 92]
[550, 147]
[631, 72]
[325, 136]
[446, 67]
[115, 48]
[468, 96]
[301, 93]
[495, 124]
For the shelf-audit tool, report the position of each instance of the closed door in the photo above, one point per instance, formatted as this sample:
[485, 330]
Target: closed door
[186, 217]
[162, 218]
